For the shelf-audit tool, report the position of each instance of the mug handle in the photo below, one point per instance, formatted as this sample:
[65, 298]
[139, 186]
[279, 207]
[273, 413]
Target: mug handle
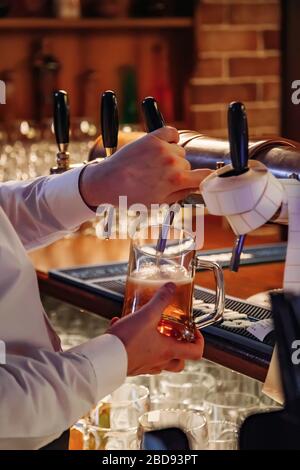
[208, 319]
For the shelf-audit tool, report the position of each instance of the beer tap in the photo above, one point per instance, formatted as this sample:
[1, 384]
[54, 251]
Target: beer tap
[152, 115]
[110, 130]
[154, 120]
[109, 122]
[61, 119]
[239, 153]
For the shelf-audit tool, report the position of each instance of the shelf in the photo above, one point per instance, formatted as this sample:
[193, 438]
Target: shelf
[14, 24]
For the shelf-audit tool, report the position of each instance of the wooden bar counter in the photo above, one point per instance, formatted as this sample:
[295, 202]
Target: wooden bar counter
[82, 249]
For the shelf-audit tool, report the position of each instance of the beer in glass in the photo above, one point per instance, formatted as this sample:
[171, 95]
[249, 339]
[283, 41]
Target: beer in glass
[149, 270]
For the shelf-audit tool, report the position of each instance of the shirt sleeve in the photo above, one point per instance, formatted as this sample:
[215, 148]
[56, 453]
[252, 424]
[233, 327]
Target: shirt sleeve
[45, 393]
[46, 208]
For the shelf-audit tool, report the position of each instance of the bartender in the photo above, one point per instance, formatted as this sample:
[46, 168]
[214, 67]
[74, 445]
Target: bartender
[44, 391]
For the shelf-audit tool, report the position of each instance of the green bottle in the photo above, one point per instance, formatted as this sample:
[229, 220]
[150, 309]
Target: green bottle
[129, 95]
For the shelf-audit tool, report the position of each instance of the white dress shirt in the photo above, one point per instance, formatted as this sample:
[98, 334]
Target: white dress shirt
[44, 391]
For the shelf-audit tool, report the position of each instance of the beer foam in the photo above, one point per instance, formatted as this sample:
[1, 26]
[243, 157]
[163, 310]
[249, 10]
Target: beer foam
[151, 273]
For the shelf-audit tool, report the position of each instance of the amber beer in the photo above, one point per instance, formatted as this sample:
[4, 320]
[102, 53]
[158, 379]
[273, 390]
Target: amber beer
[176, 319]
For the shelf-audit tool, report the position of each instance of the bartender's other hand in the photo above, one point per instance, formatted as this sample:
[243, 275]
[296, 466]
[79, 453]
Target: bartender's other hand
[148, 351]
[152, 169]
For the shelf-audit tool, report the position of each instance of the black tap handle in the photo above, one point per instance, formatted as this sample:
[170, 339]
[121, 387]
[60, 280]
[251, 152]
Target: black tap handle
[154, 120]
[61, 116]
[109, 119]
[238, 137]
[152, 115]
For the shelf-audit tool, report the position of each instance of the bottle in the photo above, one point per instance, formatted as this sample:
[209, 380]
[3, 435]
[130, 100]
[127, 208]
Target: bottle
[111, 8]
[129, 111]
[85, 127]
[5, 8]
[152, 8]
[46, 68]
[36, 8]
[9, 111]
[68, 9]
[26, 8]
[184, 9]
[161, 83]
[87, 8]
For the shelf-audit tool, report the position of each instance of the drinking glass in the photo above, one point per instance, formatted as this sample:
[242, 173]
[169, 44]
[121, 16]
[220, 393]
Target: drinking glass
[112, 424]
[223, 435]
[219, 373]
[149, 269]
[187, 389]
[232, 407]
[267, 404]
[105, 438]
[193, 424]
[239, 383]
[147, 380]
[122, 409]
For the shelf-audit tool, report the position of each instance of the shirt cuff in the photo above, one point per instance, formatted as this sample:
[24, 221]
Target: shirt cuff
[64, 199]
[108, 357]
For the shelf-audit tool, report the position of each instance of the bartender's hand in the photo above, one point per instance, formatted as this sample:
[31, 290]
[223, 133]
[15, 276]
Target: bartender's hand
[148, 351]
[152, 169]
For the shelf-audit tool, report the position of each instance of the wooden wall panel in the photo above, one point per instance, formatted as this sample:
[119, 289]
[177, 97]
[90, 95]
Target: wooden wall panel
[104, 52]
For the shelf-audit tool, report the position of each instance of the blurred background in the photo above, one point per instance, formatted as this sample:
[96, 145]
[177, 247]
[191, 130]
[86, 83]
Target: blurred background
[194, 56]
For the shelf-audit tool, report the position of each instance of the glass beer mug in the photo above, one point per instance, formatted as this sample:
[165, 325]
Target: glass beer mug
[149, 269]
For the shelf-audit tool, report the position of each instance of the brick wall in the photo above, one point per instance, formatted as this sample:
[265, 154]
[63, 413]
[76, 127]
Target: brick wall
[238, 58]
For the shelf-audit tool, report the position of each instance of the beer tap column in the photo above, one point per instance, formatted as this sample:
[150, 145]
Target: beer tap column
[109, 122]
[152, 115]
[61, 121]
[110, 130]
[153, 121]
[239, 154]
[245, 192]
